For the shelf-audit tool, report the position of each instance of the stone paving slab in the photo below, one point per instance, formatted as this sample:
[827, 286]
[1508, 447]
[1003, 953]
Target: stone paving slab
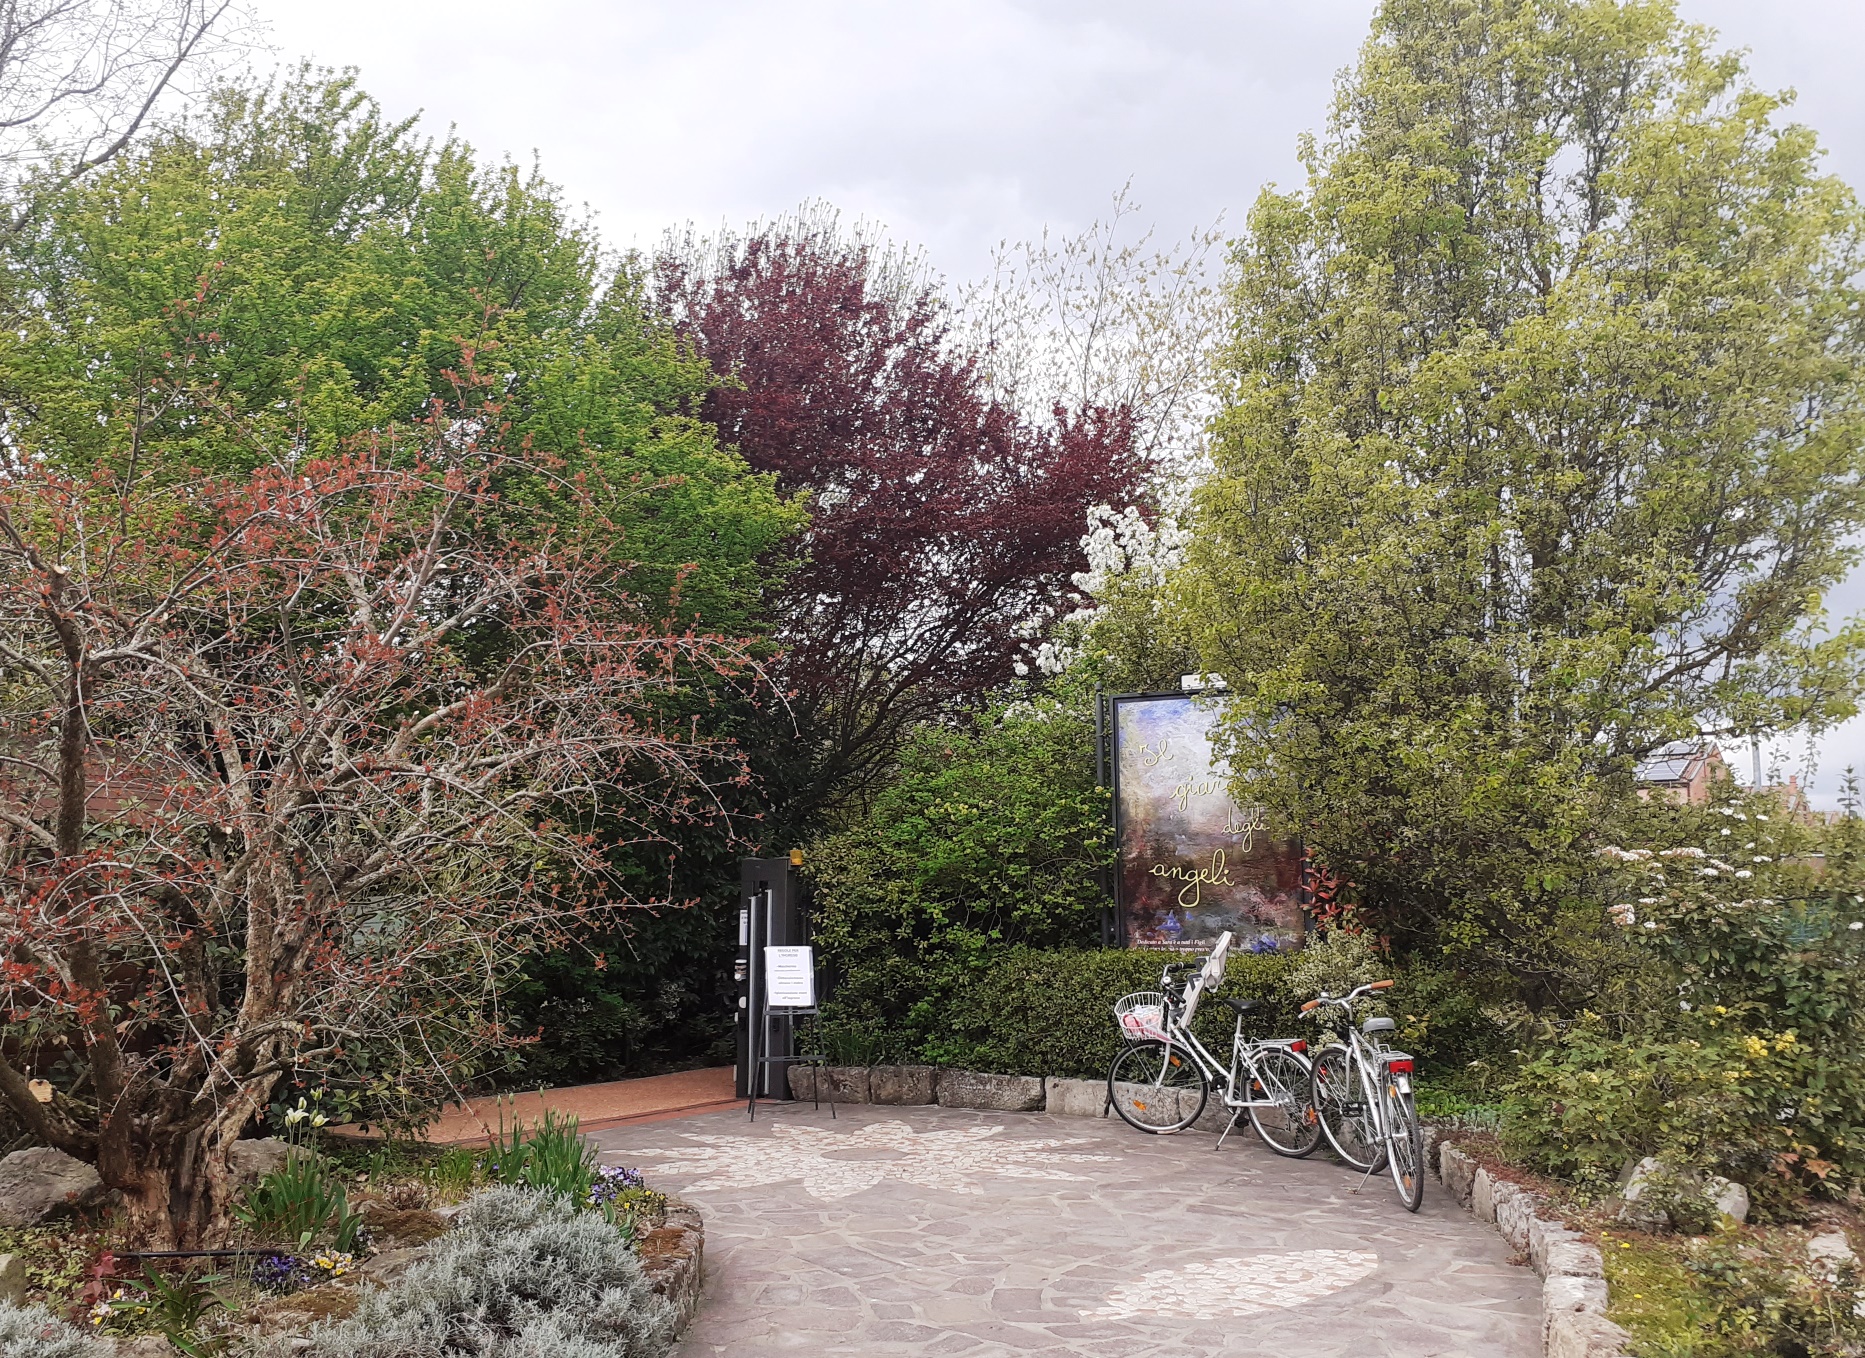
[897, 1231]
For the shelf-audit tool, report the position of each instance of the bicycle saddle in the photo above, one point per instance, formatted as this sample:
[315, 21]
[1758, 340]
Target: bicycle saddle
[1378, 1025]
[1239, 1007]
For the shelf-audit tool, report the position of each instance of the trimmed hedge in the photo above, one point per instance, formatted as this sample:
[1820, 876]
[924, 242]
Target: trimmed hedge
[1031, 1011]
[1023, 1011]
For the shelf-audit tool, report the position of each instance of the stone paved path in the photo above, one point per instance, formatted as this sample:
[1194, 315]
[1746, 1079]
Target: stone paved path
[922, 1231]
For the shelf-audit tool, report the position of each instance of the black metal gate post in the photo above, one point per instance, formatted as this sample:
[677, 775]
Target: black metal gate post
[770, 914]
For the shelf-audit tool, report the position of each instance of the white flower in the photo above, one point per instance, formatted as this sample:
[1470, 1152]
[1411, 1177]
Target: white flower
[1651, 924]
[1647, 900]
[1708, 872]
[1623, 915]
[1687, 851]
[1743, 872]
[1857, 924]
[1726, 830]
[295, 1116]
[1761, 858]
[1759, 816]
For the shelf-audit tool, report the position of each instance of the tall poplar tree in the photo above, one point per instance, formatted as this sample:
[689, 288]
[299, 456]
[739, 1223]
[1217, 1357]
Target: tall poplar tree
[1543, 448]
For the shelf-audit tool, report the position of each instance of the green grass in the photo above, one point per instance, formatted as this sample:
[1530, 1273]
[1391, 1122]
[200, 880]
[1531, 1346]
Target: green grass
[1659, 1301]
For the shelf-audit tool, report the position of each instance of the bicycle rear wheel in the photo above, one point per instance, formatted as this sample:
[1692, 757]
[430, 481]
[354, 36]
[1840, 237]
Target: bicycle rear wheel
[1344, 1105]
[1406, 1142]
[1291, 1127]
[1157, 1088]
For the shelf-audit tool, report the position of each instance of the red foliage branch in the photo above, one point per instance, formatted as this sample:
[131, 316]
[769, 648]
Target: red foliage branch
[945, 527]
[299, 763]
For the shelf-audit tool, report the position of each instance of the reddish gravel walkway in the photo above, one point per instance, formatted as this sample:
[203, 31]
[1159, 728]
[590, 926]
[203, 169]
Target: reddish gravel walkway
[614, 1104]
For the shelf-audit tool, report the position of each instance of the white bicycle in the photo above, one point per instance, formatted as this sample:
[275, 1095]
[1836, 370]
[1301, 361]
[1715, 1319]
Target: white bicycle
[1363, 1096]
[1161, 1082]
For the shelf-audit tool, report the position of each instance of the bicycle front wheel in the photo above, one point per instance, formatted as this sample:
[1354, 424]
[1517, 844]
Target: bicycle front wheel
[1345, 1107]
[1291, 1127]
[1405, 1141]
[1157, 1088]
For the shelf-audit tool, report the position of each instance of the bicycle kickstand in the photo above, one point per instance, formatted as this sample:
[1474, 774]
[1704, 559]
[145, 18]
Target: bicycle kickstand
[1364, 1177]
[1229, 1127]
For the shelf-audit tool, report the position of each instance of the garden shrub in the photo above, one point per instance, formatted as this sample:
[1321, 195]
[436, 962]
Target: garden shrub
[992, 835]
[522, 1273]
[1028, 1011]
[34, 1332]
[1739, 1055]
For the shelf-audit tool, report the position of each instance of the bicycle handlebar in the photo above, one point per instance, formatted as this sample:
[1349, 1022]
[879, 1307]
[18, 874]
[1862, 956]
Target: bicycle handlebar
[1346, 1001]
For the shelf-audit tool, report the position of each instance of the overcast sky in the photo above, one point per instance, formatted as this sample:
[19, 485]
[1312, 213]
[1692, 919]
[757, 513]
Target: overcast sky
[956, 123]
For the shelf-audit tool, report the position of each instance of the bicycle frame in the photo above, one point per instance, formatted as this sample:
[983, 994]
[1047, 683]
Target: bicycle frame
[1224, 1080]
[1368, 1057]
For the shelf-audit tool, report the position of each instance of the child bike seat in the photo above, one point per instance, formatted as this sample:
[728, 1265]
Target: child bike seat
[1239, 1007]
[1378, 1025]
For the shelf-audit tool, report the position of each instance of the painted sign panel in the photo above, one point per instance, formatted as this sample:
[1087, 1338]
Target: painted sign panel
[1192, 862]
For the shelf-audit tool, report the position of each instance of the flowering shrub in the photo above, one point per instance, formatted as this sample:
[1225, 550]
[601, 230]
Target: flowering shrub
[1742, 1054]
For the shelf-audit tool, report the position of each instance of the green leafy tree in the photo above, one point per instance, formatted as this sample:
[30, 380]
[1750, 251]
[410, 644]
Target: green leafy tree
[291, 270]
[992, 835]
[314, 271]
[1544, 447]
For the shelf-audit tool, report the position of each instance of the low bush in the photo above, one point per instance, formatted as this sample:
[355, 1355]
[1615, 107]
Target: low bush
[34, 1332]
[523, 1273]
[1737, 1050]
[1024, 1011]
[1028, 1011]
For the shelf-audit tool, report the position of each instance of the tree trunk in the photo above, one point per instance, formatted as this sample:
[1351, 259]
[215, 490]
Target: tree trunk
[181, 1194]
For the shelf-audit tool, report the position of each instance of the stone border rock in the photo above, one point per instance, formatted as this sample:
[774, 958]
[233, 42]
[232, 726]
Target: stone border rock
[1573, 1288]
[672, 1256]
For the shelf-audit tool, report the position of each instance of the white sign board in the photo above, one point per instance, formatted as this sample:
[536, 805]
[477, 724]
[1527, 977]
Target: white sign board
[789, 978]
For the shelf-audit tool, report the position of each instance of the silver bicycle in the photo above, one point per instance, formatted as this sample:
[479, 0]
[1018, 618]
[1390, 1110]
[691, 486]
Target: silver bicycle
[1162, 1080]
[1363, 1096]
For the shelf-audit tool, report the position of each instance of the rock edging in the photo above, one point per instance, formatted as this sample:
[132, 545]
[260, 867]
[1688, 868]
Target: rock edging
[1573, 1288]
[672, 1255]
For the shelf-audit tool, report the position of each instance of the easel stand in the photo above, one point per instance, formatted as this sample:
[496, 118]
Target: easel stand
[810, 1056]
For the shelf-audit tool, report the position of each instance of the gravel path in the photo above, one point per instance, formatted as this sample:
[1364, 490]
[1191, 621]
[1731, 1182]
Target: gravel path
[919, 1231]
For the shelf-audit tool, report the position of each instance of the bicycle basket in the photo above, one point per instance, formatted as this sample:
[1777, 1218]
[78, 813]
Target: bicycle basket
[1141, 1016]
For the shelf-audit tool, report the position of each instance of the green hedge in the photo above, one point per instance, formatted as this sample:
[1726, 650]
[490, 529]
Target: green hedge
[1023, 1011]
[1028, 1011]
